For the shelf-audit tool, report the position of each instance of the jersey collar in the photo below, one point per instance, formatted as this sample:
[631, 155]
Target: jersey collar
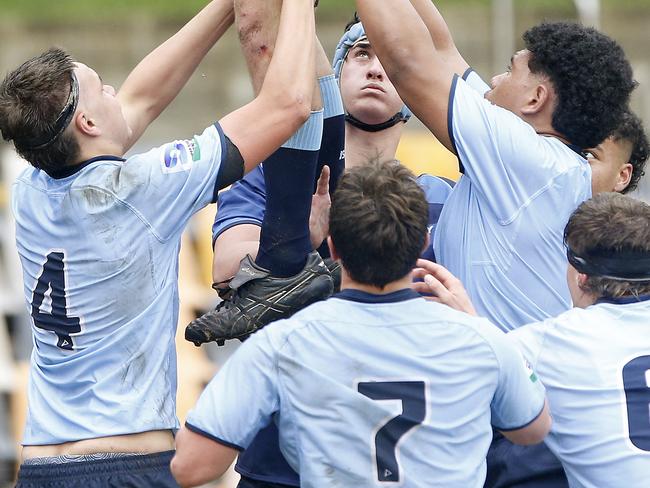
[577, 149]
[624, 300]
[66, 171]
[364, 297]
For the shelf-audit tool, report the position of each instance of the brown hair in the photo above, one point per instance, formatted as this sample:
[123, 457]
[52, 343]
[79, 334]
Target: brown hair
[378, 222]
[614, 227]
[31, 99]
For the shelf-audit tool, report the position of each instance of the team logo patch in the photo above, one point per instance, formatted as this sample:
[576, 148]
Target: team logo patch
[179, 156]
[529, 370]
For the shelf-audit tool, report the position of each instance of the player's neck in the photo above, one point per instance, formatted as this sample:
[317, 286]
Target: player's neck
[97, 148]
[347, 283]
[362, 146]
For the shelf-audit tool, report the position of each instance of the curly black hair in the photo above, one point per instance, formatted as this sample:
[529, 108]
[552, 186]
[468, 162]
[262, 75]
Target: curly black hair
[631, 130]
[591, 76]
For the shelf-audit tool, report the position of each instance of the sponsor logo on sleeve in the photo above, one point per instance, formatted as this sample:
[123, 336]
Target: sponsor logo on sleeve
[179, 155]
[530, 372]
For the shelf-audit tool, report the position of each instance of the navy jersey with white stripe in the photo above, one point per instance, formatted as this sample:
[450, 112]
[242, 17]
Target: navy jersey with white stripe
[501, 228]
[367, 389]
[595, 364]
[99, 251]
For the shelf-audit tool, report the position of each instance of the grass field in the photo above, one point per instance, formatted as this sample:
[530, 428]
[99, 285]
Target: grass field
[101, 10]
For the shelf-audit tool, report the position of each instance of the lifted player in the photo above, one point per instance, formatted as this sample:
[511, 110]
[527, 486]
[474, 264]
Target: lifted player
[410, 387]
[275, 268]
[98, 237]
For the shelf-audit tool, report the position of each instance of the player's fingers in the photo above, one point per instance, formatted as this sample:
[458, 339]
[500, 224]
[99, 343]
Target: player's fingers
[440, 273]
[436, 287]
[323, 185]
[421, 287]
[419, 273]
[431, 286]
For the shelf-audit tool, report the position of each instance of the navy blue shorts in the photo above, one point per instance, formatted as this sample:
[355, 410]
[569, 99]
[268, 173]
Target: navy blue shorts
[146, 471]
[251, 483]
[513, 466]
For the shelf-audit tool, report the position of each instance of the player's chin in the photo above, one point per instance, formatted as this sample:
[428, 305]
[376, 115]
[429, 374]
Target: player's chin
[373, 111]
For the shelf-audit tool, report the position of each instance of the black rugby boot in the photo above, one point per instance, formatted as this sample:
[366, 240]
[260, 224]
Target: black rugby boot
[258, 299]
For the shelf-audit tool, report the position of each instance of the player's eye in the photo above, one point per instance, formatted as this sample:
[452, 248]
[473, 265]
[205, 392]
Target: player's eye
[362, 53]
[589, 155]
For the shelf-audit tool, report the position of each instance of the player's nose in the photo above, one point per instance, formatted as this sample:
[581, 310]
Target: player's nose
[375, 71]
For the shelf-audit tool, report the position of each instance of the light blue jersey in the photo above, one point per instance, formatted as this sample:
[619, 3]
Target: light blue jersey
[369, 389]
[595, 364]
[475, 81]
[500, 231]
[99, 251]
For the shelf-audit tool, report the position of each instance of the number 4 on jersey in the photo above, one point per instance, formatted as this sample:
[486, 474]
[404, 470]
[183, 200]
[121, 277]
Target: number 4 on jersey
[52, 279]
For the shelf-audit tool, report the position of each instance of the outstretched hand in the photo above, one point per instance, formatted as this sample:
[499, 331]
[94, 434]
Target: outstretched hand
[439, 285]
[320, 209]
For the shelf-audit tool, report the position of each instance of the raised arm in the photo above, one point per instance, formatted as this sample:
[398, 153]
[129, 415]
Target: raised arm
[158, 78]
[284, 101]
[406, 51]
[440, 35]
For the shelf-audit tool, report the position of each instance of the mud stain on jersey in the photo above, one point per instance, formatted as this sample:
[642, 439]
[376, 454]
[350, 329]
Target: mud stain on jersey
[133, 369]
[97, 199]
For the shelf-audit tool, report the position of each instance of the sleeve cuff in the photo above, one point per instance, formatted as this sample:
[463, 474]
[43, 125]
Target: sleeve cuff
[216, 439]
[222, 145]
[450, 113]
[523, 426]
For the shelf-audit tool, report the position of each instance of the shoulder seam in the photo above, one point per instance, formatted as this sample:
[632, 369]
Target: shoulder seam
[130, 207]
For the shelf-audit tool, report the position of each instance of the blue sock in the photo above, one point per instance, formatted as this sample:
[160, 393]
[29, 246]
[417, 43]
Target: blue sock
[332, 148]
[289, 175]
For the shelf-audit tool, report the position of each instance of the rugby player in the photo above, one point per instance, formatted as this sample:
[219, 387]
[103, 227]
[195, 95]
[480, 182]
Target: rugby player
[98, 237]
[520, 143]
[618, 163]
[375, 118]
[408, 387]
[595, 358]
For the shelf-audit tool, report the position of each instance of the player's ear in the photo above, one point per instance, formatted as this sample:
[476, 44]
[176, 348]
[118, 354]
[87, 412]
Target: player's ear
[624, 177]
[427, 242]
[332, 249]
[581, 279]
[86, 125]
[538, 99]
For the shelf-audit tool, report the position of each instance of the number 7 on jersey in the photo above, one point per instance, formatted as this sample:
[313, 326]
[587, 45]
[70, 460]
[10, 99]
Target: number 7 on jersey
[414, 410]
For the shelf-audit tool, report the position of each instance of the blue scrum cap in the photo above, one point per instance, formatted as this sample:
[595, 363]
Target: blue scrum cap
[353, 36]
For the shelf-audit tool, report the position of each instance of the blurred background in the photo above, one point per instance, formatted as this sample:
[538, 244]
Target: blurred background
[113, 35]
